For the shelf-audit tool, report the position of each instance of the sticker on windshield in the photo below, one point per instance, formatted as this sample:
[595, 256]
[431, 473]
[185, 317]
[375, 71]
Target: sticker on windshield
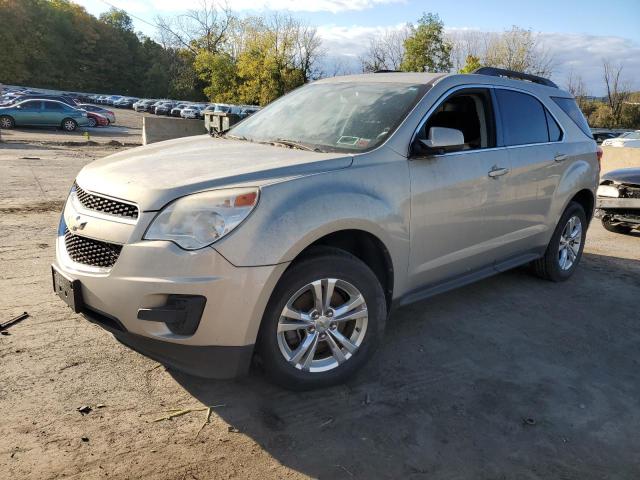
[345, 140]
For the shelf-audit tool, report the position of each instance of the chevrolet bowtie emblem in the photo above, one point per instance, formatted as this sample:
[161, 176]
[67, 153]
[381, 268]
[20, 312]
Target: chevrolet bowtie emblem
[77, 224]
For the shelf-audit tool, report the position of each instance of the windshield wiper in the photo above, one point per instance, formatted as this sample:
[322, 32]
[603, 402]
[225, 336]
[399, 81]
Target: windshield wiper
[294, 144]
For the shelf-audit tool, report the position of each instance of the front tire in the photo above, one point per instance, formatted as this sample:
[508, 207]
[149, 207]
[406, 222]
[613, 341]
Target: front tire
[614, 227]
[7, 122]
[565, 248]
[69, 125]
[324, 320]
[92, 122]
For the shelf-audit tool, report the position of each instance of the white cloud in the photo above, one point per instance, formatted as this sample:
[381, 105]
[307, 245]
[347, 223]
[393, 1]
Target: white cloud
[580, 54]
[333, 6]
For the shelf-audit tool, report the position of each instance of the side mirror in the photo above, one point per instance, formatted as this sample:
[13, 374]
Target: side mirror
[440, 137]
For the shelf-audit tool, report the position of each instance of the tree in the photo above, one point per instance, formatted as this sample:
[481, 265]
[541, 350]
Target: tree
[385, 51]
[471, 65]
[204, 28]
[577, 88]
[617, 91]
[520, 50]
[425, 48]
[117, 19]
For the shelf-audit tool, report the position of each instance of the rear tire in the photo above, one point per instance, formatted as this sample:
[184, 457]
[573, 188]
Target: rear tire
[565, 248]
[323, 343]
[7, 122]
[69, 124]
[92, 122]
[615, 228]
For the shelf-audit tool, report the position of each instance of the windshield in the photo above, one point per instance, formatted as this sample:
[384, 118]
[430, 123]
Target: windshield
[342, 117]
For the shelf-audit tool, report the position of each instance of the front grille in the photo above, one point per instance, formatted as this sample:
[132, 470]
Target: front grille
[91, 252]
[630, 192]
[95, 202]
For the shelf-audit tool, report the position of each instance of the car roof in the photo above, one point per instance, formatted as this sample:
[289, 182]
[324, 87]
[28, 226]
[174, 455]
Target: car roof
[415, 78]
[418, 78]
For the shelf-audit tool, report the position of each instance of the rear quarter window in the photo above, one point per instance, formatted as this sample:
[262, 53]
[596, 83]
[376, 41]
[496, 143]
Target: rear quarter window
[570, 107]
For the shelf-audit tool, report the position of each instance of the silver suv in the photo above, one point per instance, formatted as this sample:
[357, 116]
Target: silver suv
[292, 236]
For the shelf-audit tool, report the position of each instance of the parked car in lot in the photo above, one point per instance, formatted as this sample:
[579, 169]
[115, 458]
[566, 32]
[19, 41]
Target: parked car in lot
[600, 135]
[125, 102]
[144, 105]
[108, 114]
[177, 109]
[618, 202]
[192, 111]
[628, 140]
[96, 120]
[293, 235]
[154, 105]
[164, 108]
[250, 110]
[42, 113]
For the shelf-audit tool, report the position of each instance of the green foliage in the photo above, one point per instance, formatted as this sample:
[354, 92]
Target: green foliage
[471, 65]
[275, 55]
[426, 49]
[57, 44]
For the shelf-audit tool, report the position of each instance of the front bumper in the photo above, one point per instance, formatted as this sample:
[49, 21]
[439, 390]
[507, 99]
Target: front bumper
[146, 273]
[619, 210]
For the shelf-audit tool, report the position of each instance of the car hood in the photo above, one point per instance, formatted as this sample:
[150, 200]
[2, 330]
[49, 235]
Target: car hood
[623, 175]
[153, 175]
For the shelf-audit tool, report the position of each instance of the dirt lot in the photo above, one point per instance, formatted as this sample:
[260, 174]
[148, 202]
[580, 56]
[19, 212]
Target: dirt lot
[512, 377]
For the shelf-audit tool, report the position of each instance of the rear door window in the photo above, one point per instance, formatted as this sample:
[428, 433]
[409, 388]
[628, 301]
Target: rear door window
[524, 118]
[53, 107]
[555, 133]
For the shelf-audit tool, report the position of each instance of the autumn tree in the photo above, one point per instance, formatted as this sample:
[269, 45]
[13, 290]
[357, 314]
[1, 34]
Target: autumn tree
[471, 65]
[426, 49]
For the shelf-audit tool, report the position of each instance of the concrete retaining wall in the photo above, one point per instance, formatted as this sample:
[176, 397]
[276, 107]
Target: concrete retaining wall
[620, 157]
[157, 129]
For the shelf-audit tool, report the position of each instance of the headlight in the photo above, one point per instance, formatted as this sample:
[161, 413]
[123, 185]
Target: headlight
[608, 191]
[198, 220]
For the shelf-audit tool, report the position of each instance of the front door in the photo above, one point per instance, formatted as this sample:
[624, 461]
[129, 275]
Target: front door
[457, 195]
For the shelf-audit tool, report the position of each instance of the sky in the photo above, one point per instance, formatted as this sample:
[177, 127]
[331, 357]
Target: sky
[577, 34]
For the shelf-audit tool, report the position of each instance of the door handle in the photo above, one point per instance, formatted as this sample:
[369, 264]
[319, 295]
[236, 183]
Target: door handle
[561, 157]
[498, 172]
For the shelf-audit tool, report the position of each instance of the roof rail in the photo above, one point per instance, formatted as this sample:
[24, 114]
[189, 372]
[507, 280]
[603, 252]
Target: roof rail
[386, 71]
[501, 72]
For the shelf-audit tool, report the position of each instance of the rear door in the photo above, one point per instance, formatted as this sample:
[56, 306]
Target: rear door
[537, 154]
[457, 197]
[53, 113]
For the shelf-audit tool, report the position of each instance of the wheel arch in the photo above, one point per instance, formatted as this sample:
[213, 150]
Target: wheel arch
[363, 245]
[586, 199]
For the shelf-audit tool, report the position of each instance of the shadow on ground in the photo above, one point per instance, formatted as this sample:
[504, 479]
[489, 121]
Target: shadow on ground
[512, 377]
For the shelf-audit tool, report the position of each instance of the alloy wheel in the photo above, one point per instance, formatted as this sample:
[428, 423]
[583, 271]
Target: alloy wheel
[69, 125]
[322, 325]
[5, 122]
[570, 242]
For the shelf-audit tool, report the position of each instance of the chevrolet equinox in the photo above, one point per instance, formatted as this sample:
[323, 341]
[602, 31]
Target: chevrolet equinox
[292, 235]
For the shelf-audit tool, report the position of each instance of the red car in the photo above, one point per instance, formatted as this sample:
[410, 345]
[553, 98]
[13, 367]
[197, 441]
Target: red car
[97, 120]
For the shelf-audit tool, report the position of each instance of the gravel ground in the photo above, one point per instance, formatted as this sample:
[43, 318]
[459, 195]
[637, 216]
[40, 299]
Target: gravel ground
[512, 377]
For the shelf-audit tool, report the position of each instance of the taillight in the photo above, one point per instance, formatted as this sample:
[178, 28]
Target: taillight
[599, 153]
